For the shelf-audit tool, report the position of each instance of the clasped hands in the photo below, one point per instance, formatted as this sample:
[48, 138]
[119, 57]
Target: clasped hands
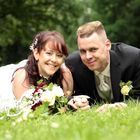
[79, 102]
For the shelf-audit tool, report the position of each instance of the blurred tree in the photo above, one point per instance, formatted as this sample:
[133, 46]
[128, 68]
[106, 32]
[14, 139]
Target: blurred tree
[121, 19]
[20, 20]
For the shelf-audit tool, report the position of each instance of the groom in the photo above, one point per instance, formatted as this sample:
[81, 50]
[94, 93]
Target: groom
[99, 66]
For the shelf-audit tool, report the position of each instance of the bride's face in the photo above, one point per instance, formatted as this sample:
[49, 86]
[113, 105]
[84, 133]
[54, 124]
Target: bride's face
[49, 59]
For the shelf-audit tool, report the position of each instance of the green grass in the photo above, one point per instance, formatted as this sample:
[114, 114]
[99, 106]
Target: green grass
[81, 125]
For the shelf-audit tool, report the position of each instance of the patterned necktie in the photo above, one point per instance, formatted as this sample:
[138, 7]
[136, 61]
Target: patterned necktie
[104, 88]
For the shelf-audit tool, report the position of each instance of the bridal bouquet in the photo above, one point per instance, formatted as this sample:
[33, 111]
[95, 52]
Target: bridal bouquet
[40, 100]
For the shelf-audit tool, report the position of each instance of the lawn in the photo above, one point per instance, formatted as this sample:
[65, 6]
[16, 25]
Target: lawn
[113, 124]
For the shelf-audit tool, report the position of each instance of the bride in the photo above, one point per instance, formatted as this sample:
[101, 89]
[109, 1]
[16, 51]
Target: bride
[48, 52]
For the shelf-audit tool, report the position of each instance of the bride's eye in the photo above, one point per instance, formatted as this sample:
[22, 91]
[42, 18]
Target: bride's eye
[49, 53]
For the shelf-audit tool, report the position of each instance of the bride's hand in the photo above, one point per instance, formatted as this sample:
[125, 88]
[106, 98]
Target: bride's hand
[67, 80]
[79, 102]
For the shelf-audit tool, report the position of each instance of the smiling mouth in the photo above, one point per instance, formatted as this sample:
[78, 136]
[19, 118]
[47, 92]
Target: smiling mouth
[51, 66]
[91, 63]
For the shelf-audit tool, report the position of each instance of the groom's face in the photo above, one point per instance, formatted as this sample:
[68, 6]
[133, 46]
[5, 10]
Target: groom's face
[94, 52]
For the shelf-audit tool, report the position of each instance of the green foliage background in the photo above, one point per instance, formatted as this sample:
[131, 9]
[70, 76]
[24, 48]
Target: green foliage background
[20, 20]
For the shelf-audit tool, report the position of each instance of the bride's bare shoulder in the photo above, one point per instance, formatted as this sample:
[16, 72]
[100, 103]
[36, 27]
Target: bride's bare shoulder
[20, 74]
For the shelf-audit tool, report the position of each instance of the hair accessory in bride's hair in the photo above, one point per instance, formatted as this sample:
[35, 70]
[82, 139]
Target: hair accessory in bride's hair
[32, 46]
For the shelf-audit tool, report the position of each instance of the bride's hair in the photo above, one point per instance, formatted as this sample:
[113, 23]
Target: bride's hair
[39, 43]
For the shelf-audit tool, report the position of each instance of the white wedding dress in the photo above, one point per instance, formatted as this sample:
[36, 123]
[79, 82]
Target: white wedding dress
[7, 98]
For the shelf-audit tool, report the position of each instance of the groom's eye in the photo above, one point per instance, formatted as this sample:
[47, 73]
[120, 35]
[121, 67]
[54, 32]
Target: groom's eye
[82, 51]
[59, 55]
[93, 49]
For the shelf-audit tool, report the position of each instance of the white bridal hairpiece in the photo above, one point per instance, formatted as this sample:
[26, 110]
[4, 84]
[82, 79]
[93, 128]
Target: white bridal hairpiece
[32, 46]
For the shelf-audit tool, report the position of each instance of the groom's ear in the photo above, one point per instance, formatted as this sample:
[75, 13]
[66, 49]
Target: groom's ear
[36, 54]
[108, 44]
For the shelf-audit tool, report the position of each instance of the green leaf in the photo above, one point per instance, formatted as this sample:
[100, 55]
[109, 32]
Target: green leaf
[40, 81]
[50, 86]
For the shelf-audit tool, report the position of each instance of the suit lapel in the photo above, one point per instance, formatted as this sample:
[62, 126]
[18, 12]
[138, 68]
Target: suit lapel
[115, 72]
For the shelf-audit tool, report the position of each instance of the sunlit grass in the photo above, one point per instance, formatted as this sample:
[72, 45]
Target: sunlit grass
[80, 125]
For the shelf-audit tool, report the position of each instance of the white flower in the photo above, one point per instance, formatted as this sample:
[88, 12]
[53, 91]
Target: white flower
[48, 96]
[57, 91]
[125, 90]
[33, 45]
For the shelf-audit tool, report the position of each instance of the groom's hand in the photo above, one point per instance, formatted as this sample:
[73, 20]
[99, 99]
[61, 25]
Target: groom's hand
[106, 107]
[79, 102]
